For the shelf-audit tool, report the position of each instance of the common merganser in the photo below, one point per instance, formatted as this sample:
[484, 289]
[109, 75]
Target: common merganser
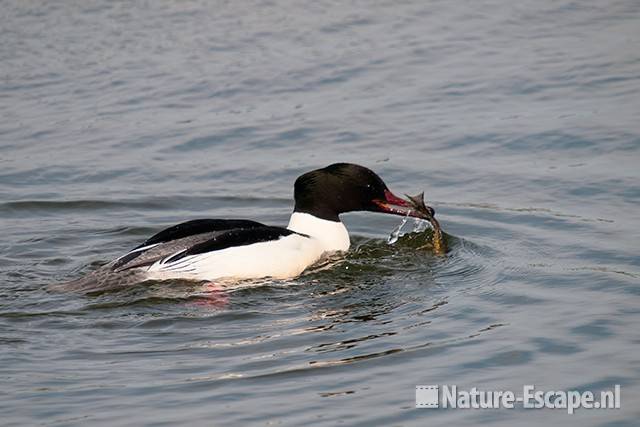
[210, 249]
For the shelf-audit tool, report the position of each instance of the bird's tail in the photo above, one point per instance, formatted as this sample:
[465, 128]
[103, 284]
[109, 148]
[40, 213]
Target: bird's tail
[104, 278]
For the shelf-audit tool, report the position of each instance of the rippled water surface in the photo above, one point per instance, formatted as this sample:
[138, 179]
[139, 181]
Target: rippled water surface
[520, 120]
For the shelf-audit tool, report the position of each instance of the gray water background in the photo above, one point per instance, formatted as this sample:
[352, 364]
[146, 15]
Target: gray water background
[520, 120]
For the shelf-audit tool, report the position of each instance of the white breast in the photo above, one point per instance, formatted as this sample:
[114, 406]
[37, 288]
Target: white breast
[332, 235]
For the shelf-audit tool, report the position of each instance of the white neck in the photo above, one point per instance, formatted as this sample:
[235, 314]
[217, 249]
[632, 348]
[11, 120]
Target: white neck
[333, 235]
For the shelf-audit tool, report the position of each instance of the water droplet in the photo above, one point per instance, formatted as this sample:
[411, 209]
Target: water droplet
[395, 234]
[420, 225]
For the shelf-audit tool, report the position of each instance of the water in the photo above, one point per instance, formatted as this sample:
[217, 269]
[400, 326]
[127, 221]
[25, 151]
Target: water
[397, 232]
[519, 120]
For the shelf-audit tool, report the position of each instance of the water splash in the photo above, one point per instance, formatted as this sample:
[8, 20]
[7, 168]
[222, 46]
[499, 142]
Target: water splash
[420, 225]
[397, 232]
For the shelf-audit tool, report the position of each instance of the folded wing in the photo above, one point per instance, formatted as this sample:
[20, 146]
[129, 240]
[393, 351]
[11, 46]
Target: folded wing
[177, 238]
[170, 253]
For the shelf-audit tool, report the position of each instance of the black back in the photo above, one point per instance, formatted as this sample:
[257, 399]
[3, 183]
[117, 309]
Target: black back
[183, 230]
[198, 226]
